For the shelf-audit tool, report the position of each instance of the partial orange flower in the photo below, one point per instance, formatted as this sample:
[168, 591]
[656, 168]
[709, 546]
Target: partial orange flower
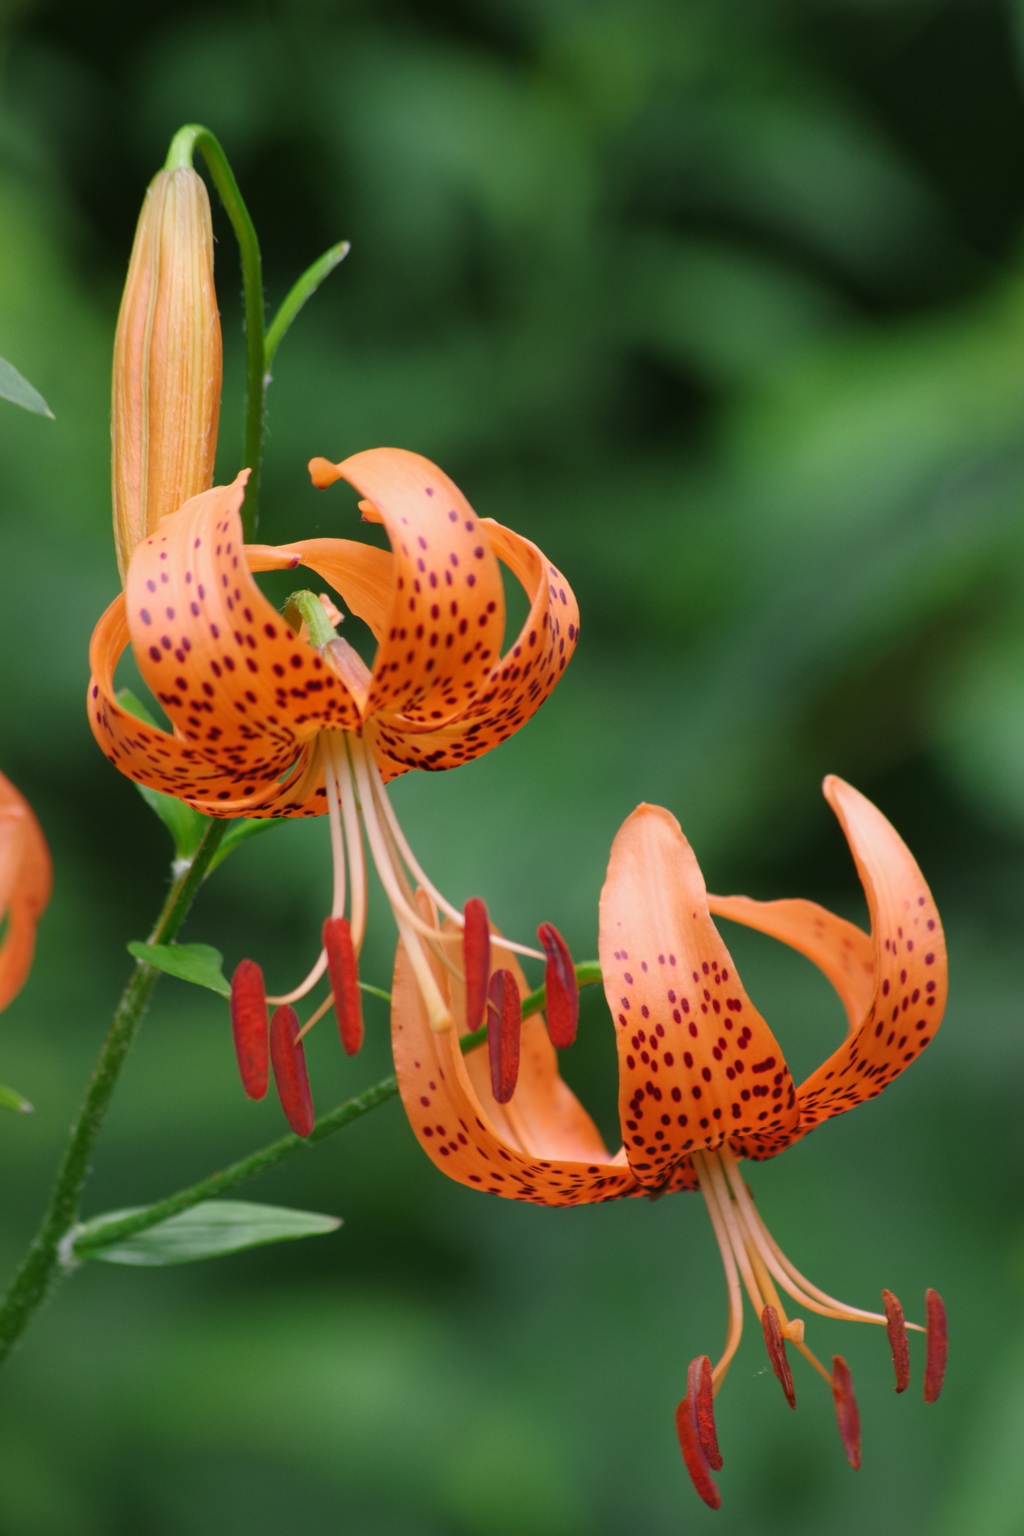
[26, 879]
[703, 1081]
[283, 718]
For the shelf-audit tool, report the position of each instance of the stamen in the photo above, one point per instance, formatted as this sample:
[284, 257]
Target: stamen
[846, 1410]
[688, 1430]
[476, 950]
[699, 1391]
[304, 986]
[896, 1328]
[344, 973]
[249, 1027]
[938, 1345]
[504, 1021]
[732, 1279]
[290, 1075]
[563, 995]
[337, 844]
[354, 839]
[730, 1217]
[777, 1352]
[394, 827]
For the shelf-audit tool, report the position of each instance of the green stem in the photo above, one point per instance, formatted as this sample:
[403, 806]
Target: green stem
[302, 290]
[42, 1264]
[96, 1237]
[183, 146]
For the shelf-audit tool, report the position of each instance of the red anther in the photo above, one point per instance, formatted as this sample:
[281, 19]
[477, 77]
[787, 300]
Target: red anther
[476, 949]
[343, 969]
[700, 1392]
[777, 1352]
[563, 994]
[688, 1430]
[249, 1027]
[504, 1022]
[846, 1410]
[896, 1328]
[290, 1075]
[938, 1345]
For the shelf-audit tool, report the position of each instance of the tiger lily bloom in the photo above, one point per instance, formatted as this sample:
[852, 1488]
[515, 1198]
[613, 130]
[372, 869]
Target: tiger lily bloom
[26, 879]
[703, 1083]
[274, 718]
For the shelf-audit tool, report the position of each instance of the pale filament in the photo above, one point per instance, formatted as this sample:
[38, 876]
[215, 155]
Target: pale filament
[414, 868]
[353, 836]
[732, 1279]
[338, 897]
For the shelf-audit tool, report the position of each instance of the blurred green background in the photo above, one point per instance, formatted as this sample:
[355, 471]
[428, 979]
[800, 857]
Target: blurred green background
[722, 301]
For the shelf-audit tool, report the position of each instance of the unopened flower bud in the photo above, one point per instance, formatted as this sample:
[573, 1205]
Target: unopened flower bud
[167, 362]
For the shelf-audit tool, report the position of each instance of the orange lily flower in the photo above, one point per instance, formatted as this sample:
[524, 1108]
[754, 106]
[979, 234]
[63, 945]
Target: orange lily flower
[702, 1081]
[270, 722]
[26, 879]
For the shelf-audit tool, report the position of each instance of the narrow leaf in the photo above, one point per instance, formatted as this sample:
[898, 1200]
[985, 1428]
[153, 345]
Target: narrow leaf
[302, 290]
[18, 390]
[10, 1099]
[198, 963]
[205, 1232]
[185, 825]
[239, 832]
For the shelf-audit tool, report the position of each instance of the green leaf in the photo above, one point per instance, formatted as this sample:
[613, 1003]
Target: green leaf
[18, 390]
[10, 1099]
[303, 289]
[204, 1232]
[198, 963]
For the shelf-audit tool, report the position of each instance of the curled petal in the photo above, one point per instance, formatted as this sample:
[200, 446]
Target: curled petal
[698, 1065]
[447, 612]
[542, 1147]
[26, 880]
[842, 950]
[910, 966]
[517, 685]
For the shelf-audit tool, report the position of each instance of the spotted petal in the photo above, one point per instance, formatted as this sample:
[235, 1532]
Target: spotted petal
[447, 610]
[842, 950]
[518, 683]
[698, 1065]
[910, 974]
[541, 1147]
[26, 878]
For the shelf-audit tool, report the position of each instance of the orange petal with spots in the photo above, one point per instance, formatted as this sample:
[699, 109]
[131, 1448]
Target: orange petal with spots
[910, 978]
[518, 684]
[447, 614]
[362, 574]
[542, 1146]
[154, 757]
[698, 1066]
[842, 950]
[26, 880]
[230, 674]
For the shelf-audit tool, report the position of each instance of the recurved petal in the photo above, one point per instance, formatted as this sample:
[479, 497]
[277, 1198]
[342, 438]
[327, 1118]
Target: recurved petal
[26, 879]
[842, 950]
[518, 684]
[447, 609]
[153, 757]
[547, 1152]
[698, 1065]
[910, 975]
[361, 573]
[229, 672]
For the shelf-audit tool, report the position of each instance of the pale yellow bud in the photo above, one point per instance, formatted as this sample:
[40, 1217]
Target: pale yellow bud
[165, 401]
